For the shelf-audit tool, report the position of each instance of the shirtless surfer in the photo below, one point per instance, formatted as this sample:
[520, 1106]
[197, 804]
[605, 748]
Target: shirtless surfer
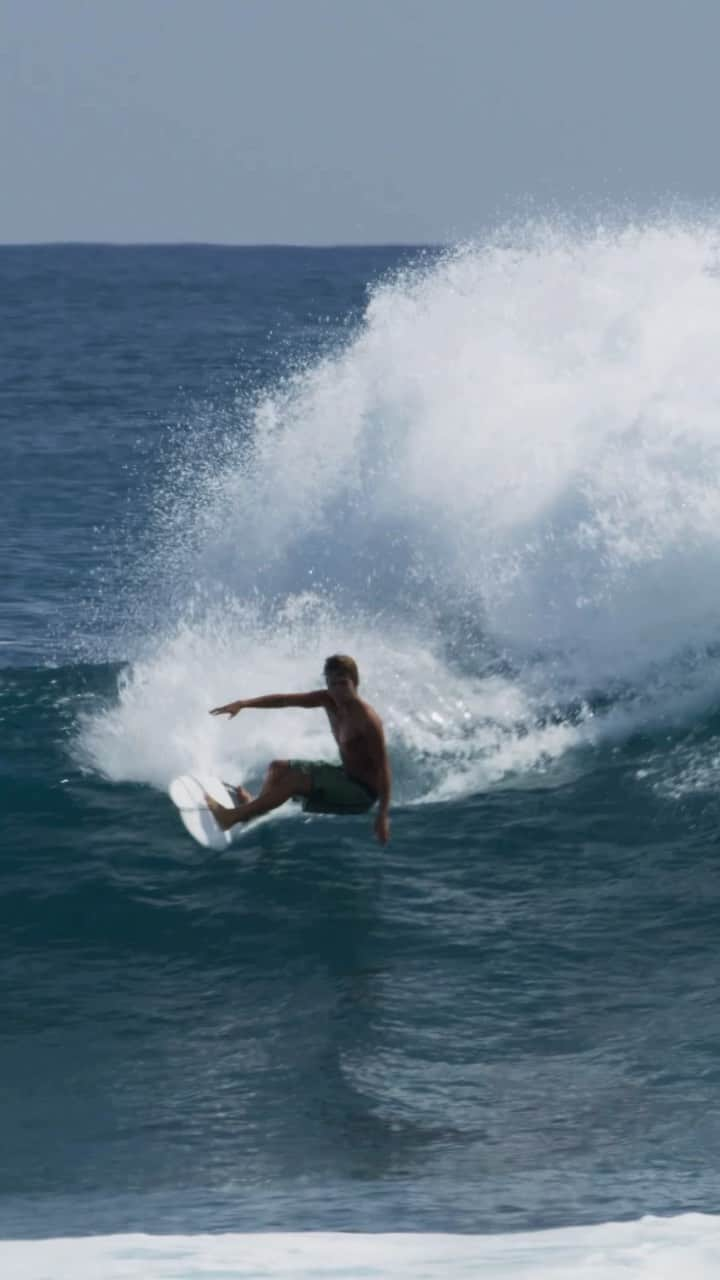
[351, 787]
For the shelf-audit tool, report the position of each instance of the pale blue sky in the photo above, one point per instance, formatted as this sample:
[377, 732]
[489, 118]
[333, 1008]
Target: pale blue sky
[325, 121]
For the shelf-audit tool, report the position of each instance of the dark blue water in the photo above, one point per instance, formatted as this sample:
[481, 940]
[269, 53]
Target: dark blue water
[507, 1019]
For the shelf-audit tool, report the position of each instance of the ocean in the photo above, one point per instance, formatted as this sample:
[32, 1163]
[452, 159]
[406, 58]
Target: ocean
[489, 473]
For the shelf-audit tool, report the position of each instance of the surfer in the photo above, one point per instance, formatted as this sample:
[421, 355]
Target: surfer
[354, 786]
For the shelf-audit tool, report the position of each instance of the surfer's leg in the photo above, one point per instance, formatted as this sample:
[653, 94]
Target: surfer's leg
[281, 784]
[276, 771]
[242, 795]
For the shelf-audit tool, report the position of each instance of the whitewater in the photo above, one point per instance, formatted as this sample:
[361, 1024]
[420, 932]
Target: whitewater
[500, 491]
[649, 1250]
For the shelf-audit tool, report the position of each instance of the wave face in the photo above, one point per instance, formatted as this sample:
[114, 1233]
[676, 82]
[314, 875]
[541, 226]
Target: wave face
[500, 493]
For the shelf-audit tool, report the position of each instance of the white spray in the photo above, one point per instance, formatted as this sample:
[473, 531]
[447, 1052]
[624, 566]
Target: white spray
[501, 496]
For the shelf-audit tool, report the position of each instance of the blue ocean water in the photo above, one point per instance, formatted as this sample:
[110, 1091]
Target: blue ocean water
[491, 475]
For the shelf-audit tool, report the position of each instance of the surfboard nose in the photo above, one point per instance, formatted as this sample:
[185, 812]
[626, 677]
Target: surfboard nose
[188, 793]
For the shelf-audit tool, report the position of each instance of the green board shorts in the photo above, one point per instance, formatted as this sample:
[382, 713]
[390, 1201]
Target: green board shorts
[333, 790]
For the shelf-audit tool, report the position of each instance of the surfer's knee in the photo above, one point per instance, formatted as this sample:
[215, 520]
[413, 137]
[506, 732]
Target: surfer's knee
[284, 778]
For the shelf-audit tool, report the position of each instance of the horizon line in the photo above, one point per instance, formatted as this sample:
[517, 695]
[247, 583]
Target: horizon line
[223, 244]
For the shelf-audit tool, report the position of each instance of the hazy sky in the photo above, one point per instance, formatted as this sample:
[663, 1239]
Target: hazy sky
[325, 121]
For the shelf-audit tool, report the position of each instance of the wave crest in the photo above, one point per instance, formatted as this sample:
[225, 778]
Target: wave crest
[507, 477]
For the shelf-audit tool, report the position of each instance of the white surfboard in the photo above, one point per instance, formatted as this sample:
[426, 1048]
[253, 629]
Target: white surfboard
[188, 795]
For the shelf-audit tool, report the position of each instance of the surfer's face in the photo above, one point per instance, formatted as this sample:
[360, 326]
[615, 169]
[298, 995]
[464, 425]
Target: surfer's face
[340, 687]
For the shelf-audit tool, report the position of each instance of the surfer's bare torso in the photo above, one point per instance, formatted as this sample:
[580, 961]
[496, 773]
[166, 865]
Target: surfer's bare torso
[358, 731]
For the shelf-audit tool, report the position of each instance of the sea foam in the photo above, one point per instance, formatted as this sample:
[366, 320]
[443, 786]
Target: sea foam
[651, 1249]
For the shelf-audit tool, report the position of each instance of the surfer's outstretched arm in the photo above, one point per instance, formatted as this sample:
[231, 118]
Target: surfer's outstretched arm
[317, 698]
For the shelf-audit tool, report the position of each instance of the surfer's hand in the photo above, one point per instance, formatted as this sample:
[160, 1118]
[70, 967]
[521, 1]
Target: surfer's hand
[382, 827]
[230, 709]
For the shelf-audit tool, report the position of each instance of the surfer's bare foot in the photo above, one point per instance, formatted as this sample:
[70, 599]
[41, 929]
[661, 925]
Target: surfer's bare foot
[225, 818]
